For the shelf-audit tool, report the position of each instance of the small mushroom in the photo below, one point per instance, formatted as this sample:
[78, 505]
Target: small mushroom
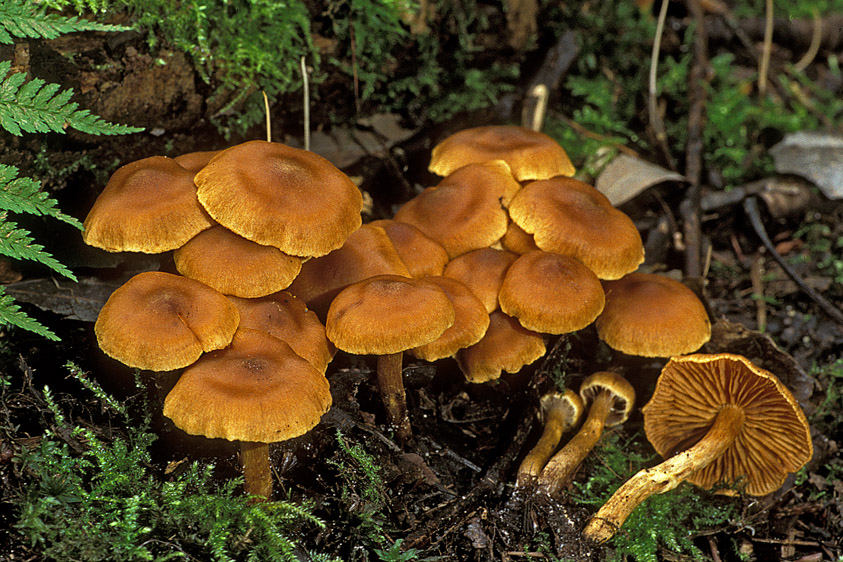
[561, 411]
[716, 419]
[386, 315]
[256, 391]
[610, 398]
[531, 155]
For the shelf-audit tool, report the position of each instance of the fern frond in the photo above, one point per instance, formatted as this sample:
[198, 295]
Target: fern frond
[17, 244]
[24, 18]
[24, 195]
[38, 107]
[10, 314]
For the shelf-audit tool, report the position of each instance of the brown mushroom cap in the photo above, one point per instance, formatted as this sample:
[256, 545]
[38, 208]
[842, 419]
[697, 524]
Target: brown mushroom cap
[160, 322]
[652, 315]
[483, 272]
[567, 216]
[388, 314]
[235, 266]
[470, 323]
[287, 318]
[280, 196]
[257, 390]
[620, 389]
[506, 346]
[148, 206]
[420, 253]
[774, 440]
[551, 293]
[462, 213]
[530, 154]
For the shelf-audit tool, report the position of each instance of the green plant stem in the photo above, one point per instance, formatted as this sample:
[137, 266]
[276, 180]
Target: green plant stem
[667, 475]
[256, 470]
[391, 387]
[563, 464]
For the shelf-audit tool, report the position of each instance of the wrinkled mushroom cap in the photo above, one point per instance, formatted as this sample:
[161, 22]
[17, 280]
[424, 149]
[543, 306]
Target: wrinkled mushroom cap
[281, 196]
[147, 206]
[551, 293]
[255, 390]
[619, 387]
[388, 314]
[235, 266]
[652, 315]
[530, 154]
[774, 440]
[570, 217]
[160, 322]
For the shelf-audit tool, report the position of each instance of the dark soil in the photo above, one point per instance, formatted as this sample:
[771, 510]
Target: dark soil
[450, 492]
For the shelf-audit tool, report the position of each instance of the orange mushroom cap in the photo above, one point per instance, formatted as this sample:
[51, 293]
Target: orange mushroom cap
[483, 272]
[569, 217]
[652, 315]
[420, 253]
[147, 206]
[255, 390]
[234, 265]
[506, 346]
[551, 293]
[530, 154]
[281, 196]
[160, 322]
[388, 314]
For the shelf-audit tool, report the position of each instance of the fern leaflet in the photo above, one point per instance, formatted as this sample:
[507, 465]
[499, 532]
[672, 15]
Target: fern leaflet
[16, 243]
[10, 314]
[24, 195]
[38, 107]
[27, 19]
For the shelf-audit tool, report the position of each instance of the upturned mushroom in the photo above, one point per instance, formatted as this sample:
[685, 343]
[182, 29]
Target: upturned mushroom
[717, 419]
[256, 391]
[560, 412]
[610, 398]
[386, 315]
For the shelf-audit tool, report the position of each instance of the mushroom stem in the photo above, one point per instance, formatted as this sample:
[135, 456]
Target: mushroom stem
[391, 386]
[256, 471]
[563, 464]
[667, 475]
[535, 460]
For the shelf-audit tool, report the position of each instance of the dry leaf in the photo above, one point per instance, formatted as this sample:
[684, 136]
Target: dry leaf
[626, 176]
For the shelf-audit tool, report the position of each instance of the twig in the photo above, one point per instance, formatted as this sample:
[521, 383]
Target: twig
[750, 206]
[655, 120]
[306, 94]
[764, 64]
[690, 207]
[534, 119]
[758, 291]
[598, 137]
[266, 108]
[814, 47]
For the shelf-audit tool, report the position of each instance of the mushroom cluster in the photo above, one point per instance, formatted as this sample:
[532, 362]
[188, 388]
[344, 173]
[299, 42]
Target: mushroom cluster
[240, 223]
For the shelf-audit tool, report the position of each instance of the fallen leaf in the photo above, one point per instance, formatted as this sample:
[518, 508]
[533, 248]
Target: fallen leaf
[626, 176]
[813, 155]
[76, 301]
